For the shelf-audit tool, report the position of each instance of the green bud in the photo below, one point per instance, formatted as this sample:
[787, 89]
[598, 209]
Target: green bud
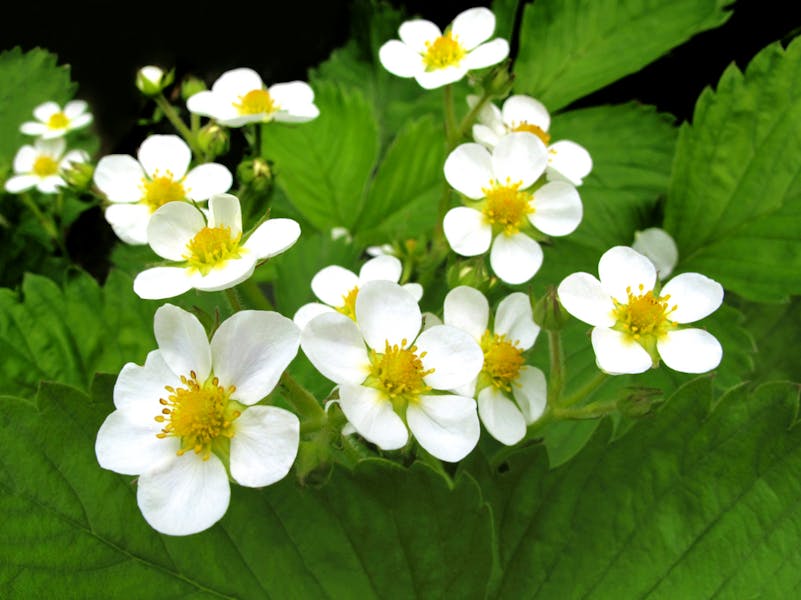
[639, 402]
[548, 311]
[213, 140]
[152, 80]
[498, 82]
[255, 173]
[191, 86]
[78, 175]
[472, 273]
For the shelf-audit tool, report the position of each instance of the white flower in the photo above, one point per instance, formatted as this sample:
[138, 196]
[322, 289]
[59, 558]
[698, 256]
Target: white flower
[137, 188]
[659, 247]
[212, 255]
[511, 394]
[567, 161]
[434, 58]
[391, 376]
[40, 165]
[239, 97]
[337, 287]
[151, 80]
[381, 250]
[53, 122]
[505, 205]
[188, 417]
[635, 323]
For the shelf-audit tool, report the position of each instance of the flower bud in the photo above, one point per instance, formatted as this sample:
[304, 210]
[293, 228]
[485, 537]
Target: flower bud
[498, 82]
[152, 80]
[213, 140]
[255, 173]
[78, 175]
[191, 86]
[639, 402]
[472, 273]
[548, 311]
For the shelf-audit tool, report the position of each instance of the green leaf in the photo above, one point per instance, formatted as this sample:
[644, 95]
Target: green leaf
[776, 329]
[691, 504]
[381, 531]
[569, 48]
[734, 205]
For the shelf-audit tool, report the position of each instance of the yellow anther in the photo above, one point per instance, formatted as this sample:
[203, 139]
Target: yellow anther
[58, 120]
[256, 102]
[445, 51]
[161, 189]
[507, 206]
[535, 129]
[44, 166]
[211, 247]
[503, 359]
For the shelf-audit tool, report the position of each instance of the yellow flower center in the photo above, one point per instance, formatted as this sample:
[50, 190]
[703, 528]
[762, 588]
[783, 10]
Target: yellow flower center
[644, 315]
[507, 206]
[44, 166]
[399, 373]
[348, 307]
[198, 414]
[445, 51]
[58, 121]
[531, 128]
[211, 247]
[502, 360]
[256, 102]
[161, 189]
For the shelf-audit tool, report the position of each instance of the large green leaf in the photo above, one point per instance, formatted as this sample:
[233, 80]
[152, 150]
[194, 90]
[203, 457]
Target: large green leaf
[776, 329]
[569, 48]
[73, 530]
[691, 504]
[734, 205]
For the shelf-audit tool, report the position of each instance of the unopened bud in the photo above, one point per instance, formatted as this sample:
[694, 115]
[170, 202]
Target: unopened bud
[255, 173]
[548, 311]
[152, 80]
[192, 85]
[213, 140]
[498, 82]
[78, 175]
[639, 402]
[472, 273]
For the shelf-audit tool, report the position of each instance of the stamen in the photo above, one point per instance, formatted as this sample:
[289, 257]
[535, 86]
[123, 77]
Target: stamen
[503, 359]
[348, 307]
[399, 373]
[256, 102]
[161, 189]
[531, 128]
[44, 166]
[212, 247]
[58, 121]
[507, 206]
[445, 51]
[644, 315]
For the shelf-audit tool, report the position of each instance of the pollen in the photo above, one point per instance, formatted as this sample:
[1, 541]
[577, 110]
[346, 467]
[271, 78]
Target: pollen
[507, 206]
[445, 51]
[198, 414]
[256, 102]
[58, 120]
[348, 307]
[503, 359]
[644, 315]
[161, 189]
[399, 373]
[44, 166]
[212, 247]
[531, 128]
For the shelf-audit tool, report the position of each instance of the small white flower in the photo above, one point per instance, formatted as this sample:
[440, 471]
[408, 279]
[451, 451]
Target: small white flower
[511, 394]
[391, 376]
[188, 418]
[40, 166]
[212, 255]
[137, 187]
[381, 250]
[435, 58]
[567, 161]
[635, 323]
[53, 122]
[239, 97]
[659, 247]
[338, 287]
[505, 205]
[151, 80]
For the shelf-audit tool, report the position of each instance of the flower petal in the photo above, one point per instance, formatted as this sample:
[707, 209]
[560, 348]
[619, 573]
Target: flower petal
[297, 113]
[453, 354]
[485, 135]
[20, 183]
[273, 237]
[334, 345]
[120, 178]
[74, 108]
[230, 273]
[161, 153]
[473, 26]
[621, 268]
[264, 445]
[567, 160]
[466, 231]
[514, 319]
[308, 311]
[616, 353]
[387, 314]
[132, 448]
[292, 93]
[44, 111]
[659, 247]
[486, 55]
[557, 208]
[225, 211]
[583, 296]
[399, 59]
[162, 282]
[516, 258]
[184, 496]
[213, 105]
[34, 128]
[415, 289]
[172, 227]
[371, 414]
[530, 392]
[204, 181]
[182, 341]
[333, 283]
[49, 185]
[138, 389]
[381, 268]
[519, 109]
[501, 417]
[693, 295]
[690, 350]
[466, 308]
[468, 169]
[251, 349]
[438, 77]
[520, 156]
[417, 32]
[446, 426]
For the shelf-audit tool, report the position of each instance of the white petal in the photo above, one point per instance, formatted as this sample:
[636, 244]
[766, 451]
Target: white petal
[467, 308]
[24, 159]
[466, 231]
[72, 157]
[204, 181]
[132, 448]
[430, 320]
[485, 135]
[308, 311]
[187, 495]
[251, 349]
[120, 178]
[50, 185]
[264, 445]
[334, 345]
[531, 393]
[161, 153]
[501, 417]
[224, 211]
[468, 169]
[34, 128]
[138, 389]
[161, 282]
[20, 183]
[371, 414]
[81, 121]
[172, 227]
[569, 160]
[519, 157]
[44, 111]
[486, 55]
[446, 426]
[694, 295]
[387, 314]
[518, 109]
[659, 247]
[453, 354]
[473, 26]
[273, 237]
[333, 283]
[557, 208]
[415, 289]
[291, 94]
[237, 82]
[74, 108]
[583, 296]
[417, 32]
[226, 275]
[182, 341]
[53, 148]
[516, 258]
[514, 319]
[690, 350]
[621, 268]
[399, 59]
[213, 105]
[616, 353]
[437, 78]
[297, 113]
[381, 268]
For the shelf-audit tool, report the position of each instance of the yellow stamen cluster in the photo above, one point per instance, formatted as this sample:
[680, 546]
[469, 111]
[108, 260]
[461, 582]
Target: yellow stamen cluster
[198, 414]
[44, 166]
[58, 121]
[348, 307]
[445, 51]
[161, 189]
[211, 247]
[531, 128]
[256, 102]
[507, 206]
[643, 315]
[503, 359]
[399, 373]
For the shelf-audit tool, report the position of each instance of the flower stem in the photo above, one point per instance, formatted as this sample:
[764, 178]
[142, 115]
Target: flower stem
[253, 295]
[585, 390]
[556, 376]
[303, 401]
[180, 126]
[47, 223]
[590, 411]
[233, 299]
[470, 117]
[450, 117]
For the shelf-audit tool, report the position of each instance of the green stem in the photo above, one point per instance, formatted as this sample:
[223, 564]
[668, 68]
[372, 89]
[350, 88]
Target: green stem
[585, 390]
[470, 117]
[590, 411]
[233, 299]
[47, 224]
[450, 117]
[253, 296]
[556, 376]
[303, 401]
[180, 126]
